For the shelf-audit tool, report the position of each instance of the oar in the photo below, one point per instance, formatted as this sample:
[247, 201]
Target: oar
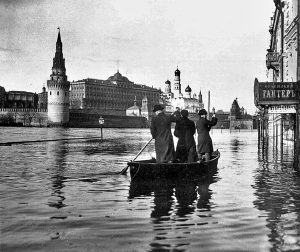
[125, 169]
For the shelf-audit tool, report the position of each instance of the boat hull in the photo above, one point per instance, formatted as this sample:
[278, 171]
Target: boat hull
[150, 169]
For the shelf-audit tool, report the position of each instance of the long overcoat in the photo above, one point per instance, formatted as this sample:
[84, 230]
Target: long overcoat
[161, 132]
[203, 127]
[186, 145]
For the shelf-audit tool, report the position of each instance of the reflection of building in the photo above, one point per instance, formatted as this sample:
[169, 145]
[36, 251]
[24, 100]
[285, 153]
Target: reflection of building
[278, 98]
[58, 89]
[112, 96]
[174, 99]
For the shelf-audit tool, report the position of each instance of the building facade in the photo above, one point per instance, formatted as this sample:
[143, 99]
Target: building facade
[58, 89]
[21, 99]
[2, 97]
[43, 99]
[238, 117]
[112, 96]
[278, 98]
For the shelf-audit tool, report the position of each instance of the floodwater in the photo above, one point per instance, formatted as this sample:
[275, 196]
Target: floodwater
[66, 196]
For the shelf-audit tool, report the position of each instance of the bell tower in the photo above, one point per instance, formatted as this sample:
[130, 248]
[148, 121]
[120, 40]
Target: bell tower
[58, 89]
[177, 85]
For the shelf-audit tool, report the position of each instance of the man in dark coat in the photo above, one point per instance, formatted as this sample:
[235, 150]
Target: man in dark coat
[186, 145]
[161, 132]
[203, 126]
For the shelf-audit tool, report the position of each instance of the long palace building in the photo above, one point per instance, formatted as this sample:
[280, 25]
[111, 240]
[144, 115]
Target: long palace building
[112, 96]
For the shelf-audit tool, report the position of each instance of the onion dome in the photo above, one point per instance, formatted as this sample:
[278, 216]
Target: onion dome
[177, 72]
[188, 89]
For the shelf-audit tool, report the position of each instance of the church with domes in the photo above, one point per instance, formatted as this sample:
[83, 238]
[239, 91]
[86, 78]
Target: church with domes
[173, 97]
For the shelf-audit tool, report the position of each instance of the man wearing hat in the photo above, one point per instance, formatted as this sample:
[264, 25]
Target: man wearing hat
[161, 131]
[203, 126]
[186, 145]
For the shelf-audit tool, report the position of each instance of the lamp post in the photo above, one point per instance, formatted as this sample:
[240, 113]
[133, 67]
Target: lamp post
[101, 122]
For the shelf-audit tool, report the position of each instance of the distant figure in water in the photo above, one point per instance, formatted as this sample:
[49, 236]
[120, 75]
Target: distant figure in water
[161, 131]
[203, 126]
[186, 145]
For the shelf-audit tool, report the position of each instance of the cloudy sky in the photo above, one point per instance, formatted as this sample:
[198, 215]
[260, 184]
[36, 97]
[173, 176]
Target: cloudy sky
[218, 45]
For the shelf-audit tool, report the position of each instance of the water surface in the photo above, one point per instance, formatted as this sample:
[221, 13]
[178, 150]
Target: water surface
[65, 196]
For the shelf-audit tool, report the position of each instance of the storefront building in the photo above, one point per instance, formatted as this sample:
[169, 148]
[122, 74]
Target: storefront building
[277, 99]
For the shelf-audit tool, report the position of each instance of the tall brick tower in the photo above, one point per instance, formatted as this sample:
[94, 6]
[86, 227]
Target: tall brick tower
[177, 85]
[58, 89]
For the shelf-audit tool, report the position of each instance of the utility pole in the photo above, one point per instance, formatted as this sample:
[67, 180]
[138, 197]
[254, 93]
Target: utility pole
[208, 105]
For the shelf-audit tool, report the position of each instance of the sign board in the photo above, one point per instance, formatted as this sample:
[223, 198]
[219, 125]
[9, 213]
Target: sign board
[283, 109]
[101, 120]
[276, 93]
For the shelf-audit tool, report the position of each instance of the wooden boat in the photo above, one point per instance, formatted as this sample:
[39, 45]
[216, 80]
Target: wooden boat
[150, 169]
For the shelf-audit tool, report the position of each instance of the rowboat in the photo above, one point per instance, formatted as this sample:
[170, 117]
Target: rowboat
[150, 169]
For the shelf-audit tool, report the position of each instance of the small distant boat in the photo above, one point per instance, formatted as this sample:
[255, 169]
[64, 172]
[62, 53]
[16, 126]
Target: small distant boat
[150, 169]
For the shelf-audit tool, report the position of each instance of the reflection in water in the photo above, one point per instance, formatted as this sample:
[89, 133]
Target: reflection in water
[99, 146]
[277, 185]
[234, 145]
[56, 153]
[173, 202]
[278, 153]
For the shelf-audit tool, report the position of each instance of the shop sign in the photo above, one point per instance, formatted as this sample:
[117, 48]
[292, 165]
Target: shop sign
[267, 93]
[282, 109]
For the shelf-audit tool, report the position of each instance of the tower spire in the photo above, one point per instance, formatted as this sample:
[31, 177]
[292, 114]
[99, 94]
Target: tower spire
[58, 42]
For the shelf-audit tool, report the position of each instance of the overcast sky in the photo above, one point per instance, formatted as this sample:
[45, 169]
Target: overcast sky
[218, 45]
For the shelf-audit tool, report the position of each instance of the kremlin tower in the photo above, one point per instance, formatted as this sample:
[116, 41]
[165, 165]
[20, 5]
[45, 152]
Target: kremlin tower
[177, 85]
[58, 89]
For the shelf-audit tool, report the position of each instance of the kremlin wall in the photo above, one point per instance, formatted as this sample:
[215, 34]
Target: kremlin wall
[119, 101]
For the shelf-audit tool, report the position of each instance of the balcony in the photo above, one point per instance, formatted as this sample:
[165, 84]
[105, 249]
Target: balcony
[272, 61]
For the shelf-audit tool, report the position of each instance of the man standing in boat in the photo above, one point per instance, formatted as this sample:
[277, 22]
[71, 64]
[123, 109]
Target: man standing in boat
[186, 145]
[203, 126]
[161, 131]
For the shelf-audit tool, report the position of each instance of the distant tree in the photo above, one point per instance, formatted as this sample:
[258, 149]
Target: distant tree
[6, 119]
[29, 116]
[10, 118]
[15, 115]
[39, 118]
[23, 117]
[2, 119]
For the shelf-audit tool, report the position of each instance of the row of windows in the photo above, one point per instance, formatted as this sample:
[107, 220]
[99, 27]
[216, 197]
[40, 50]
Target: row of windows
[123, 92]
[50, 93]
[128, 96]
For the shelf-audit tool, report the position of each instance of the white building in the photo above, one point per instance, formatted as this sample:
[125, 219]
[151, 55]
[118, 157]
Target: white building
[134, 110]
[175, 99]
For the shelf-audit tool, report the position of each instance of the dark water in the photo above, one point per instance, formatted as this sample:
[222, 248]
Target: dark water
[65, 196]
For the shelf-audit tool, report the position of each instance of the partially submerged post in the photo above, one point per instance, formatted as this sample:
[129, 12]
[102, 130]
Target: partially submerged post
[101, 122]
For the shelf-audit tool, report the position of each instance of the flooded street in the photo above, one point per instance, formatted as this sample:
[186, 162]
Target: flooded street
[66, 196]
